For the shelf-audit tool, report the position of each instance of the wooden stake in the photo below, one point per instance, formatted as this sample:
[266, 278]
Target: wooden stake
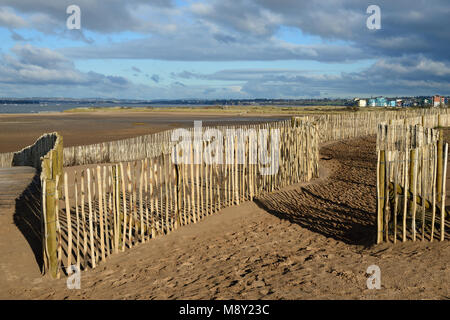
[433, 217]
[91, 228]
[100, 212]
[78, 223]
[414, 156]
[381, 194]
[396, 160]
[124, 199]
[69, 223]
[83, 219]
[444, 175]
[141, 204]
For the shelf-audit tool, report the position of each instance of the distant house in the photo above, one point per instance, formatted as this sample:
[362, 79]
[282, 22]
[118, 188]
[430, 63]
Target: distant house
[392, 103]
[361, 102]
[407, 103]
[399, 102]
[381, 102]
[372, 102]
[438, 101]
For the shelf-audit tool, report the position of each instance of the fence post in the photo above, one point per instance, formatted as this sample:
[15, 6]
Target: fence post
[50, 218]
[440, 155]
[51, 166]
[413, 180]
[444, 175]
[381, 193]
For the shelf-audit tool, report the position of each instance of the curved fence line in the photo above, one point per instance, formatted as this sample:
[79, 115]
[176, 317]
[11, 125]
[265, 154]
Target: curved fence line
[108, 208]
[31, 155]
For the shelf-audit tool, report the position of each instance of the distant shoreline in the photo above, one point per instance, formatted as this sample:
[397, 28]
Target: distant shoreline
[284, 110]
[273, 109]
[82, 128]
[94, 125]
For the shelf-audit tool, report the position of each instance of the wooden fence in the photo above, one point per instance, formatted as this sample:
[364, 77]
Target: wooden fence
[411, 183]
[6, 159]
[105, 209]
[46, 156]
[130, 149]
[52, 168]
[31, 155]
[331, 127]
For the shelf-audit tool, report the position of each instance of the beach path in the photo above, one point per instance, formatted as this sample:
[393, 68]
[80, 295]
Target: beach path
[17, 231]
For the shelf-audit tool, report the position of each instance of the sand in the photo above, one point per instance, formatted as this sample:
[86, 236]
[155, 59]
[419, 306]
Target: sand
[20, 130]
[308, 241]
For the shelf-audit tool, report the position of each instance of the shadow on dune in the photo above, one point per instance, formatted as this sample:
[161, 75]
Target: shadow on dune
[27, 218]
[318, 214]
[344, 206]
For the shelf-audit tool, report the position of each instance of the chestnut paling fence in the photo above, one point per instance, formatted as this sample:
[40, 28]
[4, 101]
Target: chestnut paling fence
[105, 209]
[331, 127]
[411, 184]
[46, 156]
[93, 211]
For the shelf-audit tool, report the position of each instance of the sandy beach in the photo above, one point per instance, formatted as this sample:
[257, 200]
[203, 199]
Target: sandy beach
[272, 248]
[20, 130]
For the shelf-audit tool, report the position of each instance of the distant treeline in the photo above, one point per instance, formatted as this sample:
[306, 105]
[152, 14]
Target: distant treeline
[256, 102]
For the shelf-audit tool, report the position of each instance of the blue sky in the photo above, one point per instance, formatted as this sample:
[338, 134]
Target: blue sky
[166, 49]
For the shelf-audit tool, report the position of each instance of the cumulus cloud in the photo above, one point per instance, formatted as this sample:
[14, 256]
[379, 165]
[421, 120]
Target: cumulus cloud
[36, 66]
[408, 75]
[9, 19]
[34, 71]
[104, 16]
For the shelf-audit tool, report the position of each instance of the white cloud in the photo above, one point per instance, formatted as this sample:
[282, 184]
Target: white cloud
[11, 20]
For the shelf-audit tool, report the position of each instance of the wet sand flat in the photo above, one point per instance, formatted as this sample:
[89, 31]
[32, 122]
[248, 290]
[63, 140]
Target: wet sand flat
[20, 130]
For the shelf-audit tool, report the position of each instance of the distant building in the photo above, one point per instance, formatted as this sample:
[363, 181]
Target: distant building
[399, 102]
[372, 102]
[407, 103]
[381, 102]
[392, 103]
[438, 101]
[361, 102]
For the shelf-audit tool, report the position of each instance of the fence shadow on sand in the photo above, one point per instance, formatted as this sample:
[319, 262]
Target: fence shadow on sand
[333, 220]
[330, 208]
[27, 218]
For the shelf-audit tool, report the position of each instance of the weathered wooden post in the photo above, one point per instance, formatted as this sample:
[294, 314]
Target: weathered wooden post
[51, 166]
[177, 188]
[381, 194]
[444, 178]
[413, 180]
